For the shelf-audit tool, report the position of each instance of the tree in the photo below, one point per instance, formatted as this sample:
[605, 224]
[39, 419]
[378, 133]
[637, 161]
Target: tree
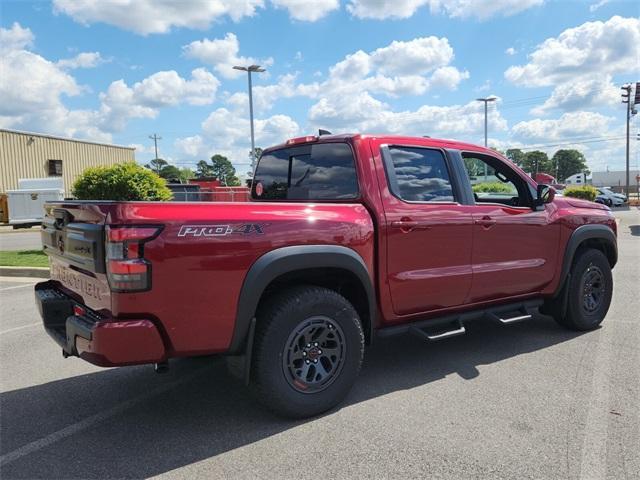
[156, 165]
[568, 162]
[123, 181]
[224, 171]
[203, 169]
[516, 155]
[536, 162]
[220, 168]
[257, 151]
[170, 173]
[186, 174]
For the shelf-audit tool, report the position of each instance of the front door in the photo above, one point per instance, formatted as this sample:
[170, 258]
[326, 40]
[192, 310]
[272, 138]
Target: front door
[428, 232]
[515, 246]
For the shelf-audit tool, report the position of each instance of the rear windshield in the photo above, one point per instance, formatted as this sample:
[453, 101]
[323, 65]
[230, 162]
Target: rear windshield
[323, 171]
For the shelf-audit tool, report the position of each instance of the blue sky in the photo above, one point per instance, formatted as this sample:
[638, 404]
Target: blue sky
[120, 70]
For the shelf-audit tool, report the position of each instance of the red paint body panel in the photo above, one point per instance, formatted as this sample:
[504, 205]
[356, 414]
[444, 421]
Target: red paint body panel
[452, 262]
[122, 343]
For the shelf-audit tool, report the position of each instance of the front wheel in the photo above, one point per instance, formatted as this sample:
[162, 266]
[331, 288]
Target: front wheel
[307, 352]
[590, 290]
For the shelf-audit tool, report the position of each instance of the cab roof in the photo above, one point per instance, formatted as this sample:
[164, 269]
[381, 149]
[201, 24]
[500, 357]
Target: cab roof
[383, 138]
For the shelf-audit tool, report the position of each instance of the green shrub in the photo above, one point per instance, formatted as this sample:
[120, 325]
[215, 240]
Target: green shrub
[123, 181]
[585, 192]
[492, 187]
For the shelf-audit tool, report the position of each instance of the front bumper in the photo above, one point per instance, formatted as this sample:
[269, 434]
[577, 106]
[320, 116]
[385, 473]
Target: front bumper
[103, 341]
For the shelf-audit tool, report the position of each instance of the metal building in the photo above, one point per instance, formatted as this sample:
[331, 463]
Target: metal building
[34, 155]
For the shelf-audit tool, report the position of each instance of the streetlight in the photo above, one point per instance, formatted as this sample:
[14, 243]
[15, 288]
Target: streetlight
[486, 102]
[249, 69]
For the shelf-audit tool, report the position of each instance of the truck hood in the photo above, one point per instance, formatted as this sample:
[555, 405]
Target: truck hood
[576, 202]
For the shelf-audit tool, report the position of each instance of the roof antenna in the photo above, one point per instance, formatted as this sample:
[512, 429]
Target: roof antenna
[322, 132]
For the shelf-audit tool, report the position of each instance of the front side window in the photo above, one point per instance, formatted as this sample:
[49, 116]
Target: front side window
[323, 171]
[419, 175]
[494, 182]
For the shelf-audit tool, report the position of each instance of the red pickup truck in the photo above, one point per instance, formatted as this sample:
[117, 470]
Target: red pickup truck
[346, 238]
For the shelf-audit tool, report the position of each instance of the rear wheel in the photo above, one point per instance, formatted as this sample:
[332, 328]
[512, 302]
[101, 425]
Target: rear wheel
[307, 353]
[589, 291]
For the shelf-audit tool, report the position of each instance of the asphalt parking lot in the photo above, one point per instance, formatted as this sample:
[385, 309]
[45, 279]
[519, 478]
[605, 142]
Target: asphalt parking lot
[530, 400]
[20, 239]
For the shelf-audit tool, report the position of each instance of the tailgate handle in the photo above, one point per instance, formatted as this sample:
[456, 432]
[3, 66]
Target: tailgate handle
[63, 218]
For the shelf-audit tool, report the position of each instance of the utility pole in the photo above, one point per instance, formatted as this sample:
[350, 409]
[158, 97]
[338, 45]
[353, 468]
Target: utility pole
[155, 139]
[626, 98]
[249, 70]
[486, 102]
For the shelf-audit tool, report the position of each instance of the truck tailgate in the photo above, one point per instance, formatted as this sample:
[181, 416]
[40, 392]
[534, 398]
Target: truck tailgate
[73, 238]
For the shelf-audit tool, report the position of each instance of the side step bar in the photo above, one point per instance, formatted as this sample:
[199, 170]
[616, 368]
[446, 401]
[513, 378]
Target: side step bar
[457, 329]
[449, 326]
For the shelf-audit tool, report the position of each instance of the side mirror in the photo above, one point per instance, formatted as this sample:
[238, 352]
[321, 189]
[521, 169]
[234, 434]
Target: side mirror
[546, 194]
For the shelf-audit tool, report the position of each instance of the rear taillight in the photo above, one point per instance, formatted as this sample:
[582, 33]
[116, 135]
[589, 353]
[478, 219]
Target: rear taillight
[127, 269]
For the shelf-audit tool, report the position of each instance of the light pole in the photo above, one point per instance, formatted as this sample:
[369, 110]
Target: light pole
[249, 70]
[486, 102]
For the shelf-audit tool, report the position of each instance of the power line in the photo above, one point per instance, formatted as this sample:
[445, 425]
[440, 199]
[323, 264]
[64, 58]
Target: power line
[575, 142]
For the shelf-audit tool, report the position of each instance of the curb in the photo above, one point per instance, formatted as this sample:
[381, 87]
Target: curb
[34, 272]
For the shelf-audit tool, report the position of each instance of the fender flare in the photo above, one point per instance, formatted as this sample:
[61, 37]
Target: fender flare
[284, 260]
[579, 235]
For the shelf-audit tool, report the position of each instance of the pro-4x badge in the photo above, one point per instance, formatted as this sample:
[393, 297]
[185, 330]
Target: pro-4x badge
[220, 230]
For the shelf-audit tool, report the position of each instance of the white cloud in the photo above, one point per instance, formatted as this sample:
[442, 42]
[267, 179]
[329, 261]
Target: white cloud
[38, 103]
[417, 56]
[481, 9]
[568, 125]
[149, 16]
[15, 38]
[226, 132]
[144, 98]
[222, 54]
[574, 96]
[32, 88]
[591, 49]
[82, 60]
[363, 113]
[307, 10]
[596, 6]
[510, 51]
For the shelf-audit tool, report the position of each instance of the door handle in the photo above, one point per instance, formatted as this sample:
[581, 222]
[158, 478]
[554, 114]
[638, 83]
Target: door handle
[485, 221]
[407, 225]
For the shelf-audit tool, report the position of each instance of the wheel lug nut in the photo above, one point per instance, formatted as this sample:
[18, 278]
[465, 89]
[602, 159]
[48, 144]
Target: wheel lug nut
[304, 354]
[315, 361]
[307, 362]
[319, 352]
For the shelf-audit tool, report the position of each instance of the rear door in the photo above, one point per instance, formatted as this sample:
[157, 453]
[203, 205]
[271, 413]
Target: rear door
[428, 229]
[73, 238]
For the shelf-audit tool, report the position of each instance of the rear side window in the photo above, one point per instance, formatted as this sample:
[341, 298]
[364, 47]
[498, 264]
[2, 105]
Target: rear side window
[324, 171]
[419, 175]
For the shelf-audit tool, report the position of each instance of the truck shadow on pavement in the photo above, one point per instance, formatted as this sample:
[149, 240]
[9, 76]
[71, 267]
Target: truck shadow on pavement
[207, 412]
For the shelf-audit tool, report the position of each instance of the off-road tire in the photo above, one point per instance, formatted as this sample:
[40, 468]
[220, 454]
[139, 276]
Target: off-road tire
[283, 326]
[589, 292]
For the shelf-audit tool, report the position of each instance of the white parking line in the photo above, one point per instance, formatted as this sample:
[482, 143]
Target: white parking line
[14, 287]
[594, 445]
[92, 420]
[20, 328]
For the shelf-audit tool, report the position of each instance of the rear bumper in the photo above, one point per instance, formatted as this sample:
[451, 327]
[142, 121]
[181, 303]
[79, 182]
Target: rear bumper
[106, 342]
